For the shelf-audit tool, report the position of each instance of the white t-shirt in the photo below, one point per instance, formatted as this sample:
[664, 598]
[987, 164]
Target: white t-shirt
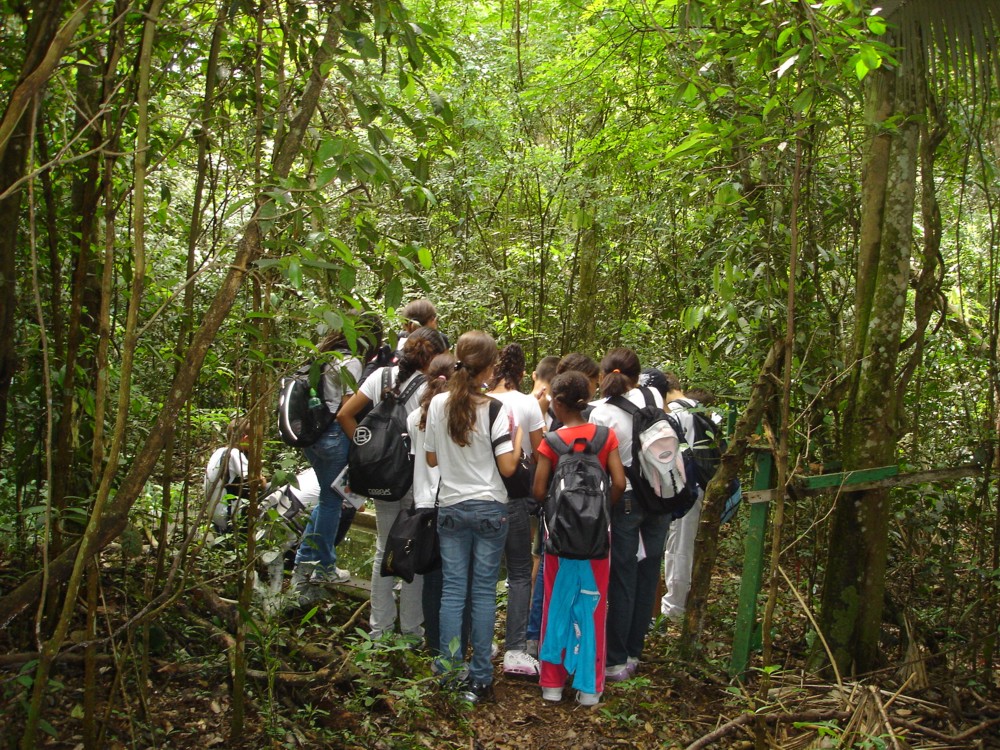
[468, 472]
[425, 478]
[334, 389]
[525, 413]
[620, 421]
[224, 466]
[372, 388]
[678, 409]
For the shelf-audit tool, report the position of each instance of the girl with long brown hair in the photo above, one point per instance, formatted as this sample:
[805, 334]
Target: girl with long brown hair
[472, 451]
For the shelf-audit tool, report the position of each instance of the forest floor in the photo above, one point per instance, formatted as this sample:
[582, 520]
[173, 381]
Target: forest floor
[316, 681]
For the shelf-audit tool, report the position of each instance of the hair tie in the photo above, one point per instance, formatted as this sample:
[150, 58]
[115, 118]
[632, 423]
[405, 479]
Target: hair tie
[617, 370]
[441, 377]
[458, 365]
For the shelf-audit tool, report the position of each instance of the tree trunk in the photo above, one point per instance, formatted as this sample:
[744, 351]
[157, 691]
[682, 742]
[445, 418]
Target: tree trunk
[706, 546]
[105, 526]
[42, 36]
[852, 598]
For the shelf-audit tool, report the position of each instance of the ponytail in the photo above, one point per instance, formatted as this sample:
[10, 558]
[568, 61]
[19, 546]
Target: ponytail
[438, 372]
[510, 368]
[420, 348]
[475, 353]
[620, 368]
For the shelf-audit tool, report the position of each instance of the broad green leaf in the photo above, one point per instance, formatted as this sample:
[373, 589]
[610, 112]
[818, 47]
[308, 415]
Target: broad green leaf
[393, 292]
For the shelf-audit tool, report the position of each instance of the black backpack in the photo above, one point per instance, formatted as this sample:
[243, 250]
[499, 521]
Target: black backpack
[303, 415]
[379, 462]
[518, 484]
[578, 510]
[662, 471]
[709, 445]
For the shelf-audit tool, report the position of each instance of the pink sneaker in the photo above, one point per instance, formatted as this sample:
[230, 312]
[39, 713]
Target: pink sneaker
[520, 664]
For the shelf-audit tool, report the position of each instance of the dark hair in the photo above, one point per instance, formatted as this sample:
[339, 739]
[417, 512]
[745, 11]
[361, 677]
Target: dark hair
[620, 368]
[367, 327]
[571, 389]
[673, 382]
[438, 372]
[420, 311]
[420, 348]
[546, 368]
[475, 352]
[510, 367]
[653, 378]
[703, 396]
[579, 363]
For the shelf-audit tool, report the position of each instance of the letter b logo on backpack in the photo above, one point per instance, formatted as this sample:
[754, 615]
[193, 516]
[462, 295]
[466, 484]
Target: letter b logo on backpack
[379, 461]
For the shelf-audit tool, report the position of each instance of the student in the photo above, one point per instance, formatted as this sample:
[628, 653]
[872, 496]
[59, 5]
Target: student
[471, 453]
[421, 347]
[576, 362]
[570, 393]
[526, 414]
[678, 554]
[315, 561]
[227, 477]
[572, 362]
[420, 313]
[544, 371]
[425, 487]
[632, 586]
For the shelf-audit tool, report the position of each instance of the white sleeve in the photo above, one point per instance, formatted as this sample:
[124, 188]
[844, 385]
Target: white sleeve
[500, 432]
[430, 429]
[372, 387]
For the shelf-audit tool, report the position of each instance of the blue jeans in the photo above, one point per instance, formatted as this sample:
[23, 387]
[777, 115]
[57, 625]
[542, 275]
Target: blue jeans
[632, 586]
[517, 551]
[328, 457]
[471, 531]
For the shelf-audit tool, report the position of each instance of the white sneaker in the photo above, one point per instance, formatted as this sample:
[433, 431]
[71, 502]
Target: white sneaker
[587, 699]
[617, 673]
[520, 664]
[633, 665]
[552, 694]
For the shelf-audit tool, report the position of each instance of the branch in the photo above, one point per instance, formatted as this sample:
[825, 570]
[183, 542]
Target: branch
[33, 82]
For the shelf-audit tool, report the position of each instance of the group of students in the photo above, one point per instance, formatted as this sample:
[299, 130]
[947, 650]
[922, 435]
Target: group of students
[471, 431]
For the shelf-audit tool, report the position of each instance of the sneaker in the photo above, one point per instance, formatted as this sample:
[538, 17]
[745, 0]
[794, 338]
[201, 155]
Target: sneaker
[552, 694]
[531, 646]
[330, 577]
[617, 673]
[478, 692]
[587, 699]
[633, 665]
[520, 664]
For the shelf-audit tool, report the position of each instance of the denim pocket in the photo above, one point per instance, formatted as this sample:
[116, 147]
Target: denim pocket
[493, 525]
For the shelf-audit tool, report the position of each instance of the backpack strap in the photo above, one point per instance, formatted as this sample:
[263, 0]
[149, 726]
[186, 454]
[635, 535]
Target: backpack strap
[624, 404]
[556, 443]
[495, 405]
[601, 435]
[416, 382]
[386, 380]
[593, 445]
[675, 425]
[685, 403]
